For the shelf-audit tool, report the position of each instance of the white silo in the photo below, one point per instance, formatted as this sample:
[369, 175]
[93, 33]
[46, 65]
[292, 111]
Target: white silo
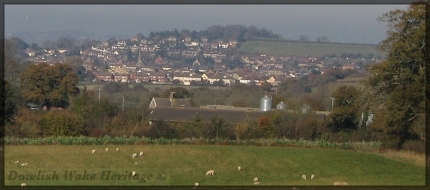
[266, 103]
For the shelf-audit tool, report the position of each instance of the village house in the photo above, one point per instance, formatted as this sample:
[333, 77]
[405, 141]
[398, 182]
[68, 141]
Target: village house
[139, 77]
[187, 39]
[172, 39]
[186, 78]
[272, 80]
[102, 76]
[348, 66]
[121, 77]
[159, 77]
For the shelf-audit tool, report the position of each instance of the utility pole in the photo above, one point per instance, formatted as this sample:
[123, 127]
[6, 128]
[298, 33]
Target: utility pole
[332, 103]
[99, 94]
[123, 104]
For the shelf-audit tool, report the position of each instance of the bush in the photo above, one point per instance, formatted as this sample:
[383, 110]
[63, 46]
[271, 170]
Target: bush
[416, 146]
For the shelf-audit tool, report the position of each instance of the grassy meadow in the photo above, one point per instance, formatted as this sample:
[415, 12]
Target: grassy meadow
[302, 48]
[183, 165]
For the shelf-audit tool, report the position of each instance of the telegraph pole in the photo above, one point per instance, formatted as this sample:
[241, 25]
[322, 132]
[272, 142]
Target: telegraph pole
[99, 94]
[332, 103]
[123, 104]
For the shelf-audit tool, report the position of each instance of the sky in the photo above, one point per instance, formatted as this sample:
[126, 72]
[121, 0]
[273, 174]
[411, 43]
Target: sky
[339, 23]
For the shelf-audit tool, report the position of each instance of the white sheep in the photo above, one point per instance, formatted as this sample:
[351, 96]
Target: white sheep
[239, 168]
[141, 153]
[16, 162]
[133, 173]
[312, 176]
[135, 163]
[24, 164]
[134, 155]
[23, 184]
[339, 183]
[256, 179]
[92, 151]
[117, 149]
[304, 177]
[210, 172]
[196, 185]
[107, 149]
[256, 183]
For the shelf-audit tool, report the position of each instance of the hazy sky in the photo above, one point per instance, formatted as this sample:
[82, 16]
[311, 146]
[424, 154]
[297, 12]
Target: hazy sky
[339, 23]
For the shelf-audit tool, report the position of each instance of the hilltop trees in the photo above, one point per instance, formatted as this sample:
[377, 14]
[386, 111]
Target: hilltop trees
[49, 85]
[396, 87]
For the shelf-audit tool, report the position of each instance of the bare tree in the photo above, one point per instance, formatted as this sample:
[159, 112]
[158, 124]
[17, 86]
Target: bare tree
[322, 39]
[304, 38]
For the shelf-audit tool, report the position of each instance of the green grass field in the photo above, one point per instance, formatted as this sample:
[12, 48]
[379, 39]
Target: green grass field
[302, 49]
[186, 164]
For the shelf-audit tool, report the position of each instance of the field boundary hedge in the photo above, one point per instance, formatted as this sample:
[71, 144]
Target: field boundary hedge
[134, 140]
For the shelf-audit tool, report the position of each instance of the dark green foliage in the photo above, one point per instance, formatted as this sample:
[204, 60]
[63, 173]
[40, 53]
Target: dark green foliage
[179, 92]
[115, 87]
[396, 87]
[8, 105]
[49, 85]
[217, 127]
[62, 123]
[346, 106]
[161, 129]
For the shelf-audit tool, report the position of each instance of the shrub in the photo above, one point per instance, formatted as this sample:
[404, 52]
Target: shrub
[416, 146]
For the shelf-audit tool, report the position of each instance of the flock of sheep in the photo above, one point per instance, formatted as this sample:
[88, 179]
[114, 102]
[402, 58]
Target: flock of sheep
[134, 155]
[257, 181]
[23, 164]
[210, 172]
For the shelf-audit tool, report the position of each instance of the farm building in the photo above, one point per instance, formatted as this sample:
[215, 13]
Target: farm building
[180, 111]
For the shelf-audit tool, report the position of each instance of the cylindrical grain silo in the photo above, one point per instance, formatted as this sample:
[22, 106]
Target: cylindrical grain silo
[266, 103]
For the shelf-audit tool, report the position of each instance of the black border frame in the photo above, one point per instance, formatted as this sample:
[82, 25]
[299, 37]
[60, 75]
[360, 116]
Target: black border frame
[4, 2]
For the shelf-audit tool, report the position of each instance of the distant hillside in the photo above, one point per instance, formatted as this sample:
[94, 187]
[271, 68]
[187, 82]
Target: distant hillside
[306, 48]
[40, 37]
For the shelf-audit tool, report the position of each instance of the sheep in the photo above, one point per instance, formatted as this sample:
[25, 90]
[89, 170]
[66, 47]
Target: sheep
[92, 151]
[141, 153]
[107, 149]
[256, 183]
[24, 164]
[117, 149]
[340, 183]
[210, 172]
[304, 177]
[133, 173]
[312, 176]
[135, 163]
[16, 162]
[196, 185]
[134, 155]
[239, 168]
[256, 179]
[23, 184]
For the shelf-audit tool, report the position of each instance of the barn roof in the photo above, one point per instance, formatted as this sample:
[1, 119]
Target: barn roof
[166, 102]
[187, 114]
